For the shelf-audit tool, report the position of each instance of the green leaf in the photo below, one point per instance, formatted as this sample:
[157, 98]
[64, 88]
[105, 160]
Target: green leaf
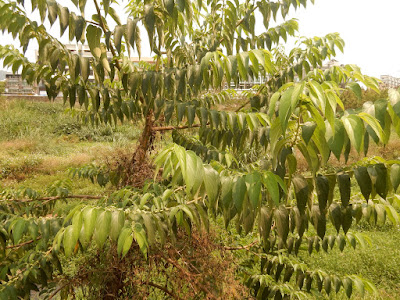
[103, 226]
[226, 191]
[79, 28]
[69, 241]
[381, 184]
[140, 237]
[285, 107]
[33, 229]
[149, 21]
[307, 130]
[18, 230]
[344, 188]
[302, 192]
[85, 68]
[64, 19]
[211, 183]
[336, 216]
[194, 172]
[270, 181]
[169, 5]
[336, 138]
[180, 4]
[106, 4]
[281, 216]
[395, 176]
[117, 222]
[348, 286]
[89, 216]
[239, 192]
[253, 182]
[93, 35]
[118, 33]
[319, 221]
[347, 218]
[364, 181]
[322, 186]
[355, 130]
[150, 227]
[125, 240]
[265, 222]
[356, 89]
[375, 125]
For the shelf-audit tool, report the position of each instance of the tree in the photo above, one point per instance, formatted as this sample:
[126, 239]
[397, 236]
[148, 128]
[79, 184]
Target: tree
[239, 166]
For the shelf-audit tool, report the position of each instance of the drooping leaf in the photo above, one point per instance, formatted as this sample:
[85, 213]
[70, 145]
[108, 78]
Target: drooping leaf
[93, 35]
[281, 216]
[381, 184]
[117, 222]
[395, 176]
[355, 130]
[307, 130]
[364, 181]
[302, 192]
[103, 226]
[239, 192]
[344, 188]
[336, 138]
[125, 240]
[212, 183]
[253, 183]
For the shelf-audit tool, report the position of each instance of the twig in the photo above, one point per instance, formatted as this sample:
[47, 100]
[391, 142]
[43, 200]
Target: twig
[53, 198]
[58, 290]
[24, 243]
[246, 247]
[164, 289]
[105, 30]
[166, 128]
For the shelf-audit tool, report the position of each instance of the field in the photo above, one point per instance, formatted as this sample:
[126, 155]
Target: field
[40, 142]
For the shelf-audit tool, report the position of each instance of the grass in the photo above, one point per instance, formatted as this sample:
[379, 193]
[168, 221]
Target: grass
[42, 139]
[379, 262]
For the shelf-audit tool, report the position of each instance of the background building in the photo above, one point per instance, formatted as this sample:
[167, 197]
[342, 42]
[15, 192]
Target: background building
[15, 85]
[390, 81]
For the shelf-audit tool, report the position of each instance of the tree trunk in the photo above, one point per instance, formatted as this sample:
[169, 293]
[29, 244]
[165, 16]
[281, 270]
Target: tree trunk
[145, 140]
[137, 168]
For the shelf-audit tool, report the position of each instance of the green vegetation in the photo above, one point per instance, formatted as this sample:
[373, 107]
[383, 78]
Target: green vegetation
[239, 201]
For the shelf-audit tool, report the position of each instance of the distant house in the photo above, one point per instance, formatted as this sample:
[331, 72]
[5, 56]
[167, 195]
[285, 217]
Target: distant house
[15, 85]
[389, 81]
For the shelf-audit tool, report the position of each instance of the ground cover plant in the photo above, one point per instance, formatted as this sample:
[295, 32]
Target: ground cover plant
[172, 215]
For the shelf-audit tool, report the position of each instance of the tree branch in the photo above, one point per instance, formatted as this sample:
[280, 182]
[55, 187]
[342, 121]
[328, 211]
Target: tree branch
[164, 289]
[54, 198]
[246, 247]
[105, 30]
[24, 243]
[167, 128]
[238, 23]
[58, 290]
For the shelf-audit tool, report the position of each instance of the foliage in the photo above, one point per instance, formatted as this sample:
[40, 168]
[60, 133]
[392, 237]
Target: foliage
[2, 86]
[241, 166]
[350, 100]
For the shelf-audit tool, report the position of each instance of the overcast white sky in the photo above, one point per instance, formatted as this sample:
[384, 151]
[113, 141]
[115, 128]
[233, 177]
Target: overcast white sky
[369, 28]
